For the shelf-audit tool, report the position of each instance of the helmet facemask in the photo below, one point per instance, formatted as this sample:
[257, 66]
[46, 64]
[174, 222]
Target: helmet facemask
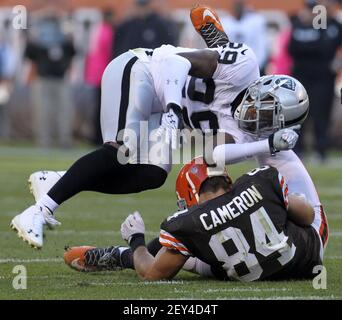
[259, 114]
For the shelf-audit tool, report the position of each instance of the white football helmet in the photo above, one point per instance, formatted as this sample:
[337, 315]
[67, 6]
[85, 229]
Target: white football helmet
[271, 103]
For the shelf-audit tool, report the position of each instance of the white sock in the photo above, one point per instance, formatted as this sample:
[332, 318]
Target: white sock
[47, 202]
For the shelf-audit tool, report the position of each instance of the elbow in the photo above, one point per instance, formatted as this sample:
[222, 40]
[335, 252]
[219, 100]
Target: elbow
[211, 59]
[149, 276]
[305, 219]
[310, 216]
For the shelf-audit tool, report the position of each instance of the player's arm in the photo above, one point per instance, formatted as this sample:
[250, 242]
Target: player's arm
[165, 265]
[283, 139]
[203, 62]
[171, 70]
[170, 73]
[300, 211]
[167, 262]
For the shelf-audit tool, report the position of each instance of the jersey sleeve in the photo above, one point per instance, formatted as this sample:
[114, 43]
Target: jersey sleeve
[169, 241]
[284, 188]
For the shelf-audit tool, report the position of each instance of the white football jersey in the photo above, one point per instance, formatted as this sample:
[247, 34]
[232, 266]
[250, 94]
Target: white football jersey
[208, 101]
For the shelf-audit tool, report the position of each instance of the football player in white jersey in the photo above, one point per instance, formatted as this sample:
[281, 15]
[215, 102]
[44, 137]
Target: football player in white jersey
[146, 86]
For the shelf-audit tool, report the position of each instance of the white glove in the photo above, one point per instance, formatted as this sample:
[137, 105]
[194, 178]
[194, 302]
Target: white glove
[284, 139]
[132, 225]
[171, 121]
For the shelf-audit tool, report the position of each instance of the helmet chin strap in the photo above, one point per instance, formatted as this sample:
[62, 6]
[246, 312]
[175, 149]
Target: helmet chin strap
[237, 112]
[281, 119]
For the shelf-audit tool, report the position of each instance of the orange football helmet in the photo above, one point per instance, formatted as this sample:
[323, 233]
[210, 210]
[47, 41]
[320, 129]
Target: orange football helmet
[189, 181]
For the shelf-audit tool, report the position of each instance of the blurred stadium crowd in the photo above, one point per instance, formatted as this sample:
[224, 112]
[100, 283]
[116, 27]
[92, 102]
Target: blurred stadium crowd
[50, 73]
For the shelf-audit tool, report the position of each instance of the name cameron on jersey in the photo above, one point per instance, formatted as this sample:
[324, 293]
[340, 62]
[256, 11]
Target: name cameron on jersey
[239, 204]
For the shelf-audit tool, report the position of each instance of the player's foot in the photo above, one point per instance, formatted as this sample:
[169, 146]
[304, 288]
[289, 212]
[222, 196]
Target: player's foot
[30, 224]
[207, 24]
[92, 259]
[41, 182]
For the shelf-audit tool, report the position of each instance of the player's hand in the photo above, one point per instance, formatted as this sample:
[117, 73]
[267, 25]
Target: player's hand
[133, 224]
[284, 139]
[171, 122]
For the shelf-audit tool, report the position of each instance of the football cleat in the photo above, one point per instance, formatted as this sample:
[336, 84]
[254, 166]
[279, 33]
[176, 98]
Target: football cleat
[92, 259]
[207, 24]
[29, 225]
[41, 182]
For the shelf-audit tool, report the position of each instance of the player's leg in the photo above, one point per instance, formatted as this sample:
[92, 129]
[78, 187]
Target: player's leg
[207, 23]
[92, 259]
[101, 169]
[88, 259]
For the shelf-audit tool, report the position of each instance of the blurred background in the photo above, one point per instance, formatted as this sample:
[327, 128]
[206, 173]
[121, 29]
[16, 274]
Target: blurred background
[50, 72]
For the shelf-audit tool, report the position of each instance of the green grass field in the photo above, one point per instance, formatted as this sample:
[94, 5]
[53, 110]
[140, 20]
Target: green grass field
[95, 219]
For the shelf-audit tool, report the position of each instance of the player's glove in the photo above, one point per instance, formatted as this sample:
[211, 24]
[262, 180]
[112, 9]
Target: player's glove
[133, 230]
[284, 139]
[133, 224]
[171, 121]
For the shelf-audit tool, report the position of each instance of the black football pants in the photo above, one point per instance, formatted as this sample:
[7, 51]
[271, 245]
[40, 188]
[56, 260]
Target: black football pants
[100, 171]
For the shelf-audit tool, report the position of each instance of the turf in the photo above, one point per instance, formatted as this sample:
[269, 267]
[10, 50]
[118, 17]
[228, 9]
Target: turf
[94, 219]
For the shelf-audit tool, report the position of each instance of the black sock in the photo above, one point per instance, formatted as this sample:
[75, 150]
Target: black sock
[101, 171]
[127, 256]
[154, 246]
[127, 259]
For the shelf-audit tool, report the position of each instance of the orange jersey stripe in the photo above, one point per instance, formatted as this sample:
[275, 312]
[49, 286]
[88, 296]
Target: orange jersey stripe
[324, 229]
[168, 238]
[173, 246]
[282, 182]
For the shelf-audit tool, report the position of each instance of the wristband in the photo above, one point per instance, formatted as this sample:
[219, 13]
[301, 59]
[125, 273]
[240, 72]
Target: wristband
[137, 240]
[273, 150]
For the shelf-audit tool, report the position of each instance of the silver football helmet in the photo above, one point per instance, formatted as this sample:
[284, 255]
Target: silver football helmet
[271, 103]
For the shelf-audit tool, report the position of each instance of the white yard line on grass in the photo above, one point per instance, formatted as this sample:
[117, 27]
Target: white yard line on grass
[58, 260]
[84, 233]
[43, 260]
[333, 257]
[250, 289]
